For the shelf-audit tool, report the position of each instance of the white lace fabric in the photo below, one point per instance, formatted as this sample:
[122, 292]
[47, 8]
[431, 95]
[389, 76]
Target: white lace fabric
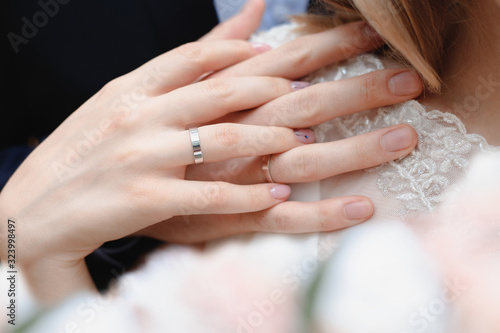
[440, 159]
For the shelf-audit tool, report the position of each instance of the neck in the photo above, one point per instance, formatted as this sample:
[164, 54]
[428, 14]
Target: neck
[471, 88]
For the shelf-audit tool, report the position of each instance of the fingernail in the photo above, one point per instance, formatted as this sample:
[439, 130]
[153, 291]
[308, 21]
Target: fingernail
[260, 47]
[298, 85]
[305, 136]
[404, 84]
[370, 32]
[397, 139]
[281, 192]
[358, 210]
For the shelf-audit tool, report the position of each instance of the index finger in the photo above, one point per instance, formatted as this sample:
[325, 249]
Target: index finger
[309, 53]
[187, 63]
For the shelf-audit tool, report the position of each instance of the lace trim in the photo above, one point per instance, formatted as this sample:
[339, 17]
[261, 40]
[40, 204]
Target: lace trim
[440, 158]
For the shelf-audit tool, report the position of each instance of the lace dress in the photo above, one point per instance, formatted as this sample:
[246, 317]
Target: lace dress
[415, 267]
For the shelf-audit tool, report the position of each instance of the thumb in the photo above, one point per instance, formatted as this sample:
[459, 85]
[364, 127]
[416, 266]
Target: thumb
[240, 26]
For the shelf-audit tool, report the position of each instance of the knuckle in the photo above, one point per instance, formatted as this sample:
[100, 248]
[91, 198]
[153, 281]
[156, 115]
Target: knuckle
[283, 138]
[279, 222]
[307, 105]
[123, 118]
[282, 222]
[219, 90]
[140, 194]
[112, 88]
[255, 221]
[227, 135]
[369, 87]
[324, 217]
[131, 156]
[254, 197]
[304, 165]
[301, 56]
[249, 65]
[363, 152]
[192, 52]
[276, 87]
[217, 195]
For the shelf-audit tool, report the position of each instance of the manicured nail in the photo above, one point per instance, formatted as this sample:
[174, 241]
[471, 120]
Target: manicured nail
[260, 47]
[404, 84]
[281, 192]
[298, 85]
[358, 210]
[305, 136]
[396, 140]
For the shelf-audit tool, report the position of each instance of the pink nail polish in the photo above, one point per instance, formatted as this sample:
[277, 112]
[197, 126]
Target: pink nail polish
[405, 84]
[397, 139]
[358, 210]
[305, 136]
[298, 85]
[260, 47]
[281, 192]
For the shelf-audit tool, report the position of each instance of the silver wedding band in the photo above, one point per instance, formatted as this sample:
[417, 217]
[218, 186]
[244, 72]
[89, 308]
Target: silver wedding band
[195, 142]
[266, 168]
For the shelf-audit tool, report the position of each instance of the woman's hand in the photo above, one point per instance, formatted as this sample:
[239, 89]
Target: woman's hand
[117, 164]
[307, 107]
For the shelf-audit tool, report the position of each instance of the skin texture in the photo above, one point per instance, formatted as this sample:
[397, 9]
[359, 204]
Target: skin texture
[464, 92]
[122, 162]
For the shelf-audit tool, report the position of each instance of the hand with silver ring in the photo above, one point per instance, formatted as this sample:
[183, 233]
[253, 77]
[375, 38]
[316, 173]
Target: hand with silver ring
[309, 106]
[195, 142]
[117, 164]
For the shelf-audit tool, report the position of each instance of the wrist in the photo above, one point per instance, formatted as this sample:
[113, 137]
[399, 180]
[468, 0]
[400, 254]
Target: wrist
[51, 275]
[50, 280]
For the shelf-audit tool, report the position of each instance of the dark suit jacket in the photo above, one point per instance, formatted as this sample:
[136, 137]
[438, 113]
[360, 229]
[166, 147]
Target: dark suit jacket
[68, 57]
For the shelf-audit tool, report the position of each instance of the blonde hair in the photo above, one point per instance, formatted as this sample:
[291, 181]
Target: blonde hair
[418, 32]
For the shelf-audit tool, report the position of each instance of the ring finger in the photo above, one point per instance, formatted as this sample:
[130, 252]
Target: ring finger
[317, 161]
[324, 160]
[229, 141]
